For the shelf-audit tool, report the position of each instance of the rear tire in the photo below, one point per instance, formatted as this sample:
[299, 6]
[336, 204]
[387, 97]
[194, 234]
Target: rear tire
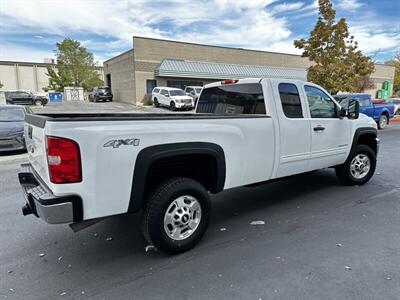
[155, 102]
[176, 214]
[383, 121]
[359, 166]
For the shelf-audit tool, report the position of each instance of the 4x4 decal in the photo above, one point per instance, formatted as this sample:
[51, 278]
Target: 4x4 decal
[117, 143]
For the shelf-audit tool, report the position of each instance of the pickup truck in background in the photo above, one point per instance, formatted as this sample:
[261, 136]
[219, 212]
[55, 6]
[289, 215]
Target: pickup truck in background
[85, 167]
[381, 112]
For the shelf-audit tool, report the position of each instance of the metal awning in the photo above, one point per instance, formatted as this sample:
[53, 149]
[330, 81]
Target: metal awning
[210, 70]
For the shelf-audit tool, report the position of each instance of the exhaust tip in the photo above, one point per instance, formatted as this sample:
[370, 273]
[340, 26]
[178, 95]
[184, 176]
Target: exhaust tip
[26, 210]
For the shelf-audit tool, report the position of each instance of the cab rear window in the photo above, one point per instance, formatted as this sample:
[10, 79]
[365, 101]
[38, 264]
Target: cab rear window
[232, 99]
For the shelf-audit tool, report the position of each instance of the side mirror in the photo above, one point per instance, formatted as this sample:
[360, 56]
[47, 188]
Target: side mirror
[342, 112]
[354, 109]
[166, 95]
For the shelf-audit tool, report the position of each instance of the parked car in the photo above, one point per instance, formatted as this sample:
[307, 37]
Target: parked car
[381, 113]
[165, 166]
[194, 92]
[12, 120]
[25, 98]
[171, 97]
[396, 103]
[102, 93]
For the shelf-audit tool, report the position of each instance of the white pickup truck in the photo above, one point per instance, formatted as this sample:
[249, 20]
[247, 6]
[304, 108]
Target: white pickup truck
[89, 166]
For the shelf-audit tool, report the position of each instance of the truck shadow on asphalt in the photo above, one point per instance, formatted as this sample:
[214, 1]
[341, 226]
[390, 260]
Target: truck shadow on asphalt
[119, 237]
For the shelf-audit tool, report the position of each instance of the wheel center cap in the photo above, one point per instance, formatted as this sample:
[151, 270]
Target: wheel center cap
[185, 218]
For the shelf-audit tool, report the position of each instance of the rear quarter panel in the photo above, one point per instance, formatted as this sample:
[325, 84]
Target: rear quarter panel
[248, 145]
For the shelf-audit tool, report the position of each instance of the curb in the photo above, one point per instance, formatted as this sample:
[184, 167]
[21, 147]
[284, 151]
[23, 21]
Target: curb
[395, 120]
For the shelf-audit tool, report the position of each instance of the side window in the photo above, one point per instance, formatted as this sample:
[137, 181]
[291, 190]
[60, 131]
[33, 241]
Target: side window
[290, 100]
[320, 104]
[188, 90]
[363, 101]
[164, 92]
[156, 90]
[232, 99]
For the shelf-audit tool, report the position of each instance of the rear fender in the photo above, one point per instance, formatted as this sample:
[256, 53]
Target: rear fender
[150, 154]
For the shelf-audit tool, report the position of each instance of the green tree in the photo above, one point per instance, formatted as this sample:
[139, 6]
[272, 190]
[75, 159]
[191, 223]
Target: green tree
[396, 64]
[338, 65]
[75, 67]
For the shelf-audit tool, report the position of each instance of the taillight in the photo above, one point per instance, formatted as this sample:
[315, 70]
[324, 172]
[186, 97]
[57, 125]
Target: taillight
[229, 81]
[63, 159]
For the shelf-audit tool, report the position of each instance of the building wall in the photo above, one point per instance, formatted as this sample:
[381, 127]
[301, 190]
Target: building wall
[23, 76]
[381, 74]
[147, 53]
[154, 51]
[26, 76]
[121, 69]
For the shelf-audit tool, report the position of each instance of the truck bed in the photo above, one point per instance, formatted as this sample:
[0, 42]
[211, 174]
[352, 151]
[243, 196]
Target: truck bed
[40, 120]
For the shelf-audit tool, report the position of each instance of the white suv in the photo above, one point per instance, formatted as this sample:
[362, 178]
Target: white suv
[171, 97]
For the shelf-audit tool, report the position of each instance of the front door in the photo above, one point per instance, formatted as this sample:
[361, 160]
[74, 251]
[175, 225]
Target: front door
[330, 135]
[294, 134]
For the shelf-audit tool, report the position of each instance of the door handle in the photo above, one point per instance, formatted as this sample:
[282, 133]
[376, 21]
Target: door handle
[319, 128]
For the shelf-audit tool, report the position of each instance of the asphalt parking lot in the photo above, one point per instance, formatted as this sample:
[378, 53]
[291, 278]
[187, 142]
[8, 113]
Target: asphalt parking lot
[320, 240]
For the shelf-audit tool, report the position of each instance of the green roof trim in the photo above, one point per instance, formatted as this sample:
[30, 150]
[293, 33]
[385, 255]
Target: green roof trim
[211, 70]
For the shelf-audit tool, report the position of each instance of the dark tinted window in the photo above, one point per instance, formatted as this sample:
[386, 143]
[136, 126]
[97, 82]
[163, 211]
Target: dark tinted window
[156, 90]
[150, 85]
[232, 99]
[181, 84]
[320, 104]
[290, 100]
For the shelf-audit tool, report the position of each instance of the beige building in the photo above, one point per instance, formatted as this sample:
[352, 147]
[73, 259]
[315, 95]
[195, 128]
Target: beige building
[31, 76]
[154, 62]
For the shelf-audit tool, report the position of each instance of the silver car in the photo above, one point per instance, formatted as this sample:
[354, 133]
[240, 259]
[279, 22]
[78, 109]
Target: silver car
[12, 120]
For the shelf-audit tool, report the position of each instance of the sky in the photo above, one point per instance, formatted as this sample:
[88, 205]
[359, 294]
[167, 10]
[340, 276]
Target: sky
[29, 30]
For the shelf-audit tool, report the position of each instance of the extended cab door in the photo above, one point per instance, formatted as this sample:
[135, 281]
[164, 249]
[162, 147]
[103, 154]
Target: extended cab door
[294, 134]
[330, 135]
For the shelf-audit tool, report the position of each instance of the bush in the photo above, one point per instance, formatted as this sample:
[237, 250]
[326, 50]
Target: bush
[146, 101]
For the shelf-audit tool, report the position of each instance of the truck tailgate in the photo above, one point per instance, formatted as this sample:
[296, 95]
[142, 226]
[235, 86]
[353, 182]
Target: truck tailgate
[36, 145]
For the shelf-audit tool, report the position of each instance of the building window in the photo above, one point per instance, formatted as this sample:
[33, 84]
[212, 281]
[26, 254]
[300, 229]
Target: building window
[150, 85]
[181, 84]
[290, 100]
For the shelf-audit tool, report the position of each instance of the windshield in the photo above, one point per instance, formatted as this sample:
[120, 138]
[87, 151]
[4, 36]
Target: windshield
[177, 93]
[104, 90]
[11, 114]
[364, 101]
[198, 90]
